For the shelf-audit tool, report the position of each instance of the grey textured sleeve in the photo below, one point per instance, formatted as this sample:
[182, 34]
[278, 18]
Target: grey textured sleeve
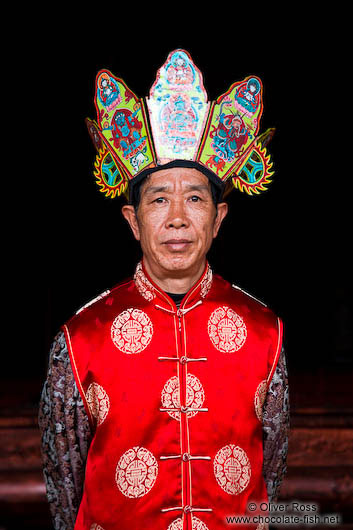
[276, 429]
[65, 437]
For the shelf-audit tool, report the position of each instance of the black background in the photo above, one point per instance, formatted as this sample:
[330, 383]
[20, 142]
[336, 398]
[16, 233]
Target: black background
[290, 246]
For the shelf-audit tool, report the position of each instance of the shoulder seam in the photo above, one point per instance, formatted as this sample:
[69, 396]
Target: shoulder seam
[248, 294]
[91, 302]
[100, 297]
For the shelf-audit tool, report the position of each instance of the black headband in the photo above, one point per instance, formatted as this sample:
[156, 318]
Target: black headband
[217, 186]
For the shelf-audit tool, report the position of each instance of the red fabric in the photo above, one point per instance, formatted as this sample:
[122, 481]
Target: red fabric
[129, 492]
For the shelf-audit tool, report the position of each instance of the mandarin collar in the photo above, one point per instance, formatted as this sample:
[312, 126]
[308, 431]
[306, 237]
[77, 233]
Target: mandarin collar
[151, 292]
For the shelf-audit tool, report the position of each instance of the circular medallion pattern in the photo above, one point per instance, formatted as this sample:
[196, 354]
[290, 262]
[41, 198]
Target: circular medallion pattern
[136, 472]
[232, 469]
[195, 396]
[177, 524]
[197, 524]
[96, 526]
[132, 331]
[98, 402]
[259, 400]
[226, 330]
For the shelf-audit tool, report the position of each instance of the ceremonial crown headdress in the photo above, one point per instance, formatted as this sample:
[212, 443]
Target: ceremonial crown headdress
[177, 126]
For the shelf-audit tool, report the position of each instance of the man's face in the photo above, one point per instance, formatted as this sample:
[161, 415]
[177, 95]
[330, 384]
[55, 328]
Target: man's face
[176, 220]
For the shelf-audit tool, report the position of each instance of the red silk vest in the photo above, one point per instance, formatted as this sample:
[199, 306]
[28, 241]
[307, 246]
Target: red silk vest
[174, 397]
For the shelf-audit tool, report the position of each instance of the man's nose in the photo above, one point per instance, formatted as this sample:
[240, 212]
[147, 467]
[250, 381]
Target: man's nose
[177, 217]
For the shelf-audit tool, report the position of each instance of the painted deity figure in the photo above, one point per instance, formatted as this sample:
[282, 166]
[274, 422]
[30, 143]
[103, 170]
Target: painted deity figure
[109, 93]
[126, 132]
[230, 135]
[247, 97]
[179, 71]
[179, 120]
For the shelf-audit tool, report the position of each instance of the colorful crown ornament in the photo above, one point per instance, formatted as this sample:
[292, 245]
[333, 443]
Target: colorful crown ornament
[178, 126]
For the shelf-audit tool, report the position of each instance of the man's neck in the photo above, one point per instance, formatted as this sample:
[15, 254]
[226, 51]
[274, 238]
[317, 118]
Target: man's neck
[176, 282]
[177, 298]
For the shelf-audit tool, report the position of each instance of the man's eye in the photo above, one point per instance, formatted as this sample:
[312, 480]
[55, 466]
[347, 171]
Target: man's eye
[159, 200]
[195, 198]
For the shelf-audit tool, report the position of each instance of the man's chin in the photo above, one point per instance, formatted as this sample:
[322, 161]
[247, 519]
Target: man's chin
[180, 262]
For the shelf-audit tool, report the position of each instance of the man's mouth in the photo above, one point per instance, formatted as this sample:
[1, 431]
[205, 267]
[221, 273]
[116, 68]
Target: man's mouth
[177, 244]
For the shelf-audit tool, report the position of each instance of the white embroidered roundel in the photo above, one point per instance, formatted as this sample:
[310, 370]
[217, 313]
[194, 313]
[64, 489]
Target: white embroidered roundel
[259, 399]
[232, 469]
[136, 472]
[98, 402]
[195, 396]
[132, 331]
[177, 524]
[226, 330]
[197, 524]
[96, 526]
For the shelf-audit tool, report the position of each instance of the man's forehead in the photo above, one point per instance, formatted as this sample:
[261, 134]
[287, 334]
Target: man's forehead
[183, 179]
[170, 188]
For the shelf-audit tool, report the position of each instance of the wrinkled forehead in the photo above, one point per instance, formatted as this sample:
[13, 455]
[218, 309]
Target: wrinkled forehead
[176, 180]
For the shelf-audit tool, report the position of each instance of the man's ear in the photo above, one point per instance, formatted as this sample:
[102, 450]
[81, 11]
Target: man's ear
[222, 210]
[129, 213]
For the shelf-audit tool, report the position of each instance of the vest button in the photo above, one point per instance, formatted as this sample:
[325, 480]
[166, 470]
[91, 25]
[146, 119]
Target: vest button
[183, 359]
[187, 509]
[186, 457]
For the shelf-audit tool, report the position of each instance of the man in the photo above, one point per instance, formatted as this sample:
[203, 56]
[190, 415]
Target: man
[166, 402]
